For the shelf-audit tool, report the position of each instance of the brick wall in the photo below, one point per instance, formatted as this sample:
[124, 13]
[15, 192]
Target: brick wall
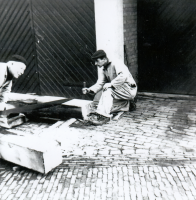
[130, 35]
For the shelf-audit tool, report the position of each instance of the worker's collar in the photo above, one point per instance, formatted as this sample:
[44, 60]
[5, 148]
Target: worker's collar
[9, 75]
[106, 66]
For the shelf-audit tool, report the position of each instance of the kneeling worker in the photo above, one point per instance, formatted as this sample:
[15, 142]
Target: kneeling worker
[9, 70]
[117, 85]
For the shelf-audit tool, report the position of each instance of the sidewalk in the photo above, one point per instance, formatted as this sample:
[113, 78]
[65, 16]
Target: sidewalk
[148, 154]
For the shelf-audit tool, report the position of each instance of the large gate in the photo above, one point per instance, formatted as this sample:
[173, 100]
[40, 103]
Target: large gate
[65, 40]
[167, 46]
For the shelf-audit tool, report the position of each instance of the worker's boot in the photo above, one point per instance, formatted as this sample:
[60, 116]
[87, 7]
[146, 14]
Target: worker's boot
[97, 119]
[132, 106]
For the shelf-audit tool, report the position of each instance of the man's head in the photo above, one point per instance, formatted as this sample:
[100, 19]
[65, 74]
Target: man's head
[100, 58]
[16, 65]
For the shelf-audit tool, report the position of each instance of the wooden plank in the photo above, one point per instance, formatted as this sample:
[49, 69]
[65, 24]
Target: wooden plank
[83, 106]
[54, 130]
[29, 151]
[33, 107]
[31, 98]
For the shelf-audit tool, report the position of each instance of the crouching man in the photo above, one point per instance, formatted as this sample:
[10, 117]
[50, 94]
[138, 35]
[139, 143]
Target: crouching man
[117, 85]
[8, 71]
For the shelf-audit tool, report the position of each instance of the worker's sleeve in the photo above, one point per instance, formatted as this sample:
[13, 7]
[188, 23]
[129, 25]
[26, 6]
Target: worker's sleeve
[122, 74]
[100, 82]
[4, 90]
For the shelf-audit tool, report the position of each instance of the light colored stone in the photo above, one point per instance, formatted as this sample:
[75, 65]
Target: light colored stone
[32, 152]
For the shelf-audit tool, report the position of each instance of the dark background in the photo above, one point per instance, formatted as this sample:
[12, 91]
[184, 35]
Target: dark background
[167, 46]
[57, 37]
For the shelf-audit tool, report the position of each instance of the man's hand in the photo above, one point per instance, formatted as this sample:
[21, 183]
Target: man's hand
[106, 86]
[87, 90]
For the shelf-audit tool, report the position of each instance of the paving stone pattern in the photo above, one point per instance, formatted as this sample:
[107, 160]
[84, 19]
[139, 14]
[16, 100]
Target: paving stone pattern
[148, 154]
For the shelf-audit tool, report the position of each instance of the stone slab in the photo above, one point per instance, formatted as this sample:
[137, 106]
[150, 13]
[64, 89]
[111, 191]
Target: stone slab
[84, 105]
[39, 154]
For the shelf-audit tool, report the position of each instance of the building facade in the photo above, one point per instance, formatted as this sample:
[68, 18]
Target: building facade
[58, 37]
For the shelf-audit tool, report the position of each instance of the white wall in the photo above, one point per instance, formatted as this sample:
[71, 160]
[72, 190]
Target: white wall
[109, 27]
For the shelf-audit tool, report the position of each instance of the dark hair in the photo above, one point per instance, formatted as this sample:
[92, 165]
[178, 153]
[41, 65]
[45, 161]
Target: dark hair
[99, 54]
[17, 58]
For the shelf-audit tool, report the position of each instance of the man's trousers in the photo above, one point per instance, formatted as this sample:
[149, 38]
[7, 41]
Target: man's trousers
[116, 99]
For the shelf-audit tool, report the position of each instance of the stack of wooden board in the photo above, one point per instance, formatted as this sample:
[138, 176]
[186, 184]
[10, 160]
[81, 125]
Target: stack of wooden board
[9, 122]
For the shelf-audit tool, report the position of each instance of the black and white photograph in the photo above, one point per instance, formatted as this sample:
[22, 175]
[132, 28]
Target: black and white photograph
[97, 99]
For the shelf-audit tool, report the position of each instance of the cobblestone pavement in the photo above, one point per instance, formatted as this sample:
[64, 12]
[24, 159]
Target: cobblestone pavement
[148, 154]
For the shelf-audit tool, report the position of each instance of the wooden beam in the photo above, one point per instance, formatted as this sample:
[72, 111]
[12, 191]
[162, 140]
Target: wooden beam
[77, 108]
[28, 108]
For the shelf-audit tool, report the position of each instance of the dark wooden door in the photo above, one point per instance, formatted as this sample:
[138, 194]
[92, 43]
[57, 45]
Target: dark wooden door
[65, 40]
[17, 37]
[167, 46]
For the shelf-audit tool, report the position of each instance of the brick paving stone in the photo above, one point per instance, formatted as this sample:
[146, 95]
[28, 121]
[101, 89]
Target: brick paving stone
[63, 194]
[2, 185]
[147, 154]
[10, 197]
[6, 194]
